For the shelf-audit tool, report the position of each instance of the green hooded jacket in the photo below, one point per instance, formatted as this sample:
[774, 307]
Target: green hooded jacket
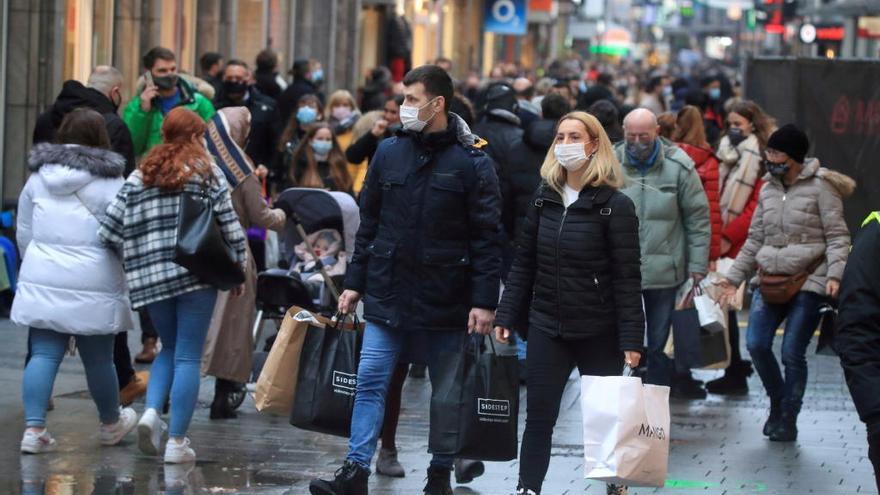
[673, 211]
[146, 127]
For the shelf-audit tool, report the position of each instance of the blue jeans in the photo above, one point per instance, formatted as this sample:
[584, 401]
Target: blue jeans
[381, 347]
[803, 318]
[659, 305]
[182, 323]
[47, 351]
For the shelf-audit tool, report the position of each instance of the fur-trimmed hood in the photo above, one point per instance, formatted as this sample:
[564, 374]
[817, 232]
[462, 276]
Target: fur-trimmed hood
[96, 161]
[844, 184]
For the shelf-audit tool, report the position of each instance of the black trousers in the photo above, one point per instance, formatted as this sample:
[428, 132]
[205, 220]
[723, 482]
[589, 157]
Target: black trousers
[148, 331]
[733, 339]
[550, 361]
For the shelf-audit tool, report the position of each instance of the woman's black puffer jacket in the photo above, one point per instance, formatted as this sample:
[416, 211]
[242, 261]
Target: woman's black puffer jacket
[577, 269]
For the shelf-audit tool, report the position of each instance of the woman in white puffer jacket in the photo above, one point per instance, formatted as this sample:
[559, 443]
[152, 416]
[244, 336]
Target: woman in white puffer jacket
[70, 284]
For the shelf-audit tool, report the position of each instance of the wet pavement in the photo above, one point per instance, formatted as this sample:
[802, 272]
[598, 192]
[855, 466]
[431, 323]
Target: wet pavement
[717, 446]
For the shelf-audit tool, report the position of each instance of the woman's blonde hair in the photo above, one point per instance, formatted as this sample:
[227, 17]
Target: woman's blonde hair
[602, 170]
[337, 98]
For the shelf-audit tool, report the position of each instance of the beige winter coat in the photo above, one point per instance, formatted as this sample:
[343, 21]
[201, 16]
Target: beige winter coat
[793, 227]
[229, 345]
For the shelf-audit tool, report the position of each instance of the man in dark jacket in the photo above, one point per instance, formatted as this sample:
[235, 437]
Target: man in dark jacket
[858, 338]
[303, 84]
[265, 120]
[269, 82]
[500, 126]
[426, 261]
[103, 94]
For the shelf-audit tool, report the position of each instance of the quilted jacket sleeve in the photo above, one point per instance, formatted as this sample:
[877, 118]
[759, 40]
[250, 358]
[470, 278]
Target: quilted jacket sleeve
[484, 219]
[746, 260]
[837, 238]
[521, 278]
[623, 237]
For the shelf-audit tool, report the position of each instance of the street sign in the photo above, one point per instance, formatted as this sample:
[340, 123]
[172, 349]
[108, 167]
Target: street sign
[506, 17]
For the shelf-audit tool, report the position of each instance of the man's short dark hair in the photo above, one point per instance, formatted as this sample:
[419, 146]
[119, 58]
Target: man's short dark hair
[554, 106]
[300, 69]
[209, 60]
[653, 84]
[158, 53]
[605, 79]
[267, 60]
[236, 62]
[436, 81]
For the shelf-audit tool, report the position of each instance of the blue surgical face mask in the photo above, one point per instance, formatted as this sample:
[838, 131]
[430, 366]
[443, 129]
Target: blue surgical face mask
[321, 148]
[317, 75]
[306, 115]
[715, 94]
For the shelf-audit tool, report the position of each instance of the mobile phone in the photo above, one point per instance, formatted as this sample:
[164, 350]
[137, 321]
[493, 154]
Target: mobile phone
[148, 77]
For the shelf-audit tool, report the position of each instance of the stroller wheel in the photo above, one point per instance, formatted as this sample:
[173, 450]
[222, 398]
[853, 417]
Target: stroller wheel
[236, 397]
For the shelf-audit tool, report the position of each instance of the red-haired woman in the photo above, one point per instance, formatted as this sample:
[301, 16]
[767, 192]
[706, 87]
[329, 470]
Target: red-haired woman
[141, 223]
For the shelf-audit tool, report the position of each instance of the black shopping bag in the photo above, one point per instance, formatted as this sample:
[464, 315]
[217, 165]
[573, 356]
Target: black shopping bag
[475, 405]
[327, 378]
[827, 330]
[686, 337]
[695, 346]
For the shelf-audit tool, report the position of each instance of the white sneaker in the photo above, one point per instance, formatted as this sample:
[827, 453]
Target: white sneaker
[152, 431]
[37, 443]
[177, 476]
[113, 434]
[179, 453]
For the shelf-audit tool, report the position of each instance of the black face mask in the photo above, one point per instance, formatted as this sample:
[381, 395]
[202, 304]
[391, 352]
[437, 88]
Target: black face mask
[777, 169]
[165, 82]
[235, 87]
[736, 136]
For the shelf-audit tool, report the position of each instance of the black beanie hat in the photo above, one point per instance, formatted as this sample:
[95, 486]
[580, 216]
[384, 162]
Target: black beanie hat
[791, 141]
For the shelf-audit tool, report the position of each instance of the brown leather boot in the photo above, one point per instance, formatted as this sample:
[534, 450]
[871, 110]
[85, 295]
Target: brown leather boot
[137, 387]
[148, 353]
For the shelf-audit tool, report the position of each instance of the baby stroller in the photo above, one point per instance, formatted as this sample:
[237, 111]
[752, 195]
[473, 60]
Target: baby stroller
[316, 244]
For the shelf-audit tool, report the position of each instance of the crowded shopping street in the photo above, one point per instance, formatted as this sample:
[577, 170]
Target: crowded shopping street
[438, 247]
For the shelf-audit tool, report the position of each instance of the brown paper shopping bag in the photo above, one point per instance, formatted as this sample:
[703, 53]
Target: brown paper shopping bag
[276, 386]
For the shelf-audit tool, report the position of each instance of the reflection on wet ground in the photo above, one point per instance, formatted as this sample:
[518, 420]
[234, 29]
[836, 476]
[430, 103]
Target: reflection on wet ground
[717, 447]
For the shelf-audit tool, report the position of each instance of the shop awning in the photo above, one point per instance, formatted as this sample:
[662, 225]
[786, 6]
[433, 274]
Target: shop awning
[845, 8]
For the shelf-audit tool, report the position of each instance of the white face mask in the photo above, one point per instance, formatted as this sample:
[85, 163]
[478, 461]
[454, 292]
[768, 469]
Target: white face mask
[409, 117]
[572, 156]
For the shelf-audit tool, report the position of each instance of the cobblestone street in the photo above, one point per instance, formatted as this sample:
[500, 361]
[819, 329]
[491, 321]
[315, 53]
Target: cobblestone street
[717, 446]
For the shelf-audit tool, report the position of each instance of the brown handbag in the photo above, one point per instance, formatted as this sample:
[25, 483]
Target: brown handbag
[780, 289]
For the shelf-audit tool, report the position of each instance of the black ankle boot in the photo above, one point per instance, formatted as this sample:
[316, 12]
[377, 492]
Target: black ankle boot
[786, 428]
[350, 479]
[221, 407]
[775, 416]
[734, 381]
[438, 481]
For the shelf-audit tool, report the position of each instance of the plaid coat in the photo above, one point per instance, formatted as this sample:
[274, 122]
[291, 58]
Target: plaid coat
[141, 224]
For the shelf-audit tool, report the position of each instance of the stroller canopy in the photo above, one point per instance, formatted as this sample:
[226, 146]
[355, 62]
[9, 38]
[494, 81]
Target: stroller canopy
[317, 209]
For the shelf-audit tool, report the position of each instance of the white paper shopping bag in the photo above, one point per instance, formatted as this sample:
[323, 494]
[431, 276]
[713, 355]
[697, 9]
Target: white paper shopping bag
[626, 430]
[712, 317]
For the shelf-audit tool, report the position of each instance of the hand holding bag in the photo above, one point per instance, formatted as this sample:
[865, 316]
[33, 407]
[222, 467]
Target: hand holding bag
[200, 246]
[712, 317]
[626, 430]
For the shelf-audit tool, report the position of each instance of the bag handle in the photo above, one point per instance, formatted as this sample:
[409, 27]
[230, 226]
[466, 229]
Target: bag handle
[339, 323]
[628, 371]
